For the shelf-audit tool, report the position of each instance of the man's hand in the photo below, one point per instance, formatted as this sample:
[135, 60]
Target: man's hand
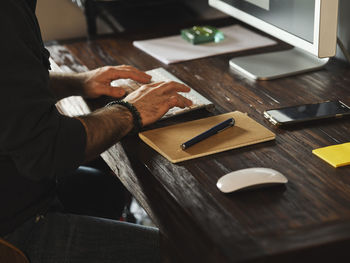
[94, 83]
[108, 125]
[97, 82]
[154, 100]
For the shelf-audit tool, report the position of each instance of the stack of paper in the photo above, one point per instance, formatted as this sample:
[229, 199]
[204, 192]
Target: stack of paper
[175, 49]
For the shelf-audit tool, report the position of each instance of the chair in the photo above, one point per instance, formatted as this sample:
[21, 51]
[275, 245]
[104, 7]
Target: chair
[11, 254]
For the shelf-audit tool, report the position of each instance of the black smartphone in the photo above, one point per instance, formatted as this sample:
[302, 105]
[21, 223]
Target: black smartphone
[307, 112]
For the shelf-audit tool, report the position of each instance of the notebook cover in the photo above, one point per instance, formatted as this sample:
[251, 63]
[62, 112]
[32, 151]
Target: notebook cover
[167, 140]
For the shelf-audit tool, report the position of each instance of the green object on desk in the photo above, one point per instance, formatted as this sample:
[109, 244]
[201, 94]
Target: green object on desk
[202, 34]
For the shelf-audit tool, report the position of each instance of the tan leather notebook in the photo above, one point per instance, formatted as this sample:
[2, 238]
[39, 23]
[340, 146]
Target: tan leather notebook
[167, 140]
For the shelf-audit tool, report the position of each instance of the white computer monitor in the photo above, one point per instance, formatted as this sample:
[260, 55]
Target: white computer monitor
[308, 25]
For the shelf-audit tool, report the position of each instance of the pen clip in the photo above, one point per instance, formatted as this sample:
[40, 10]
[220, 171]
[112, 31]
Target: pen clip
[229, 126]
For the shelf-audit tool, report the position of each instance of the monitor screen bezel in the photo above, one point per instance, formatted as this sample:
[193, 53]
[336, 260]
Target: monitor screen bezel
[325, 27]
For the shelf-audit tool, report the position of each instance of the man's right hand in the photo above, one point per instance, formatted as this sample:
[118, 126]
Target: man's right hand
[108, 125]
[155, 99]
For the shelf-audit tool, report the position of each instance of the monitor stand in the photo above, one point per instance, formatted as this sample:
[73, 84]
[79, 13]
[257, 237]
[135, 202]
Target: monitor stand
[275, 65]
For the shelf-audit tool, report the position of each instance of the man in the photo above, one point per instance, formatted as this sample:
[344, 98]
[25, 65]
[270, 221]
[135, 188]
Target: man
[39, 146]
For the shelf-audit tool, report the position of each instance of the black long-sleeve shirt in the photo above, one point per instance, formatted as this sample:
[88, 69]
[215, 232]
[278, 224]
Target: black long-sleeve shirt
[37, 143]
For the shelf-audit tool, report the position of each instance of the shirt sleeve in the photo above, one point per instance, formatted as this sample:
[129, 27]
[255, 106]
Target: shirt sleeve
[41, 142]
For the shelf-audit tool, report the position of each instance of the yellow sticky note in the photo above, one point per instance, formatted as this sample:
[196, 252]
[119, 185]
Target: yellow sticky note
[335, 155]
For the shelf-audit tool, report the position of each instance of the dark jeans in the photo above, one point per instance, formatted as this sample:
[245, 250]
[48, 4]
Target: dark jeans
[63, 238]
[71, 236]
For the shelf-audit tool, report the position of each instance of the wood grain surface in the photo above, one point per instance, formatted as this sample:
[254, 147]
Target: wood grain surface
[308, 219]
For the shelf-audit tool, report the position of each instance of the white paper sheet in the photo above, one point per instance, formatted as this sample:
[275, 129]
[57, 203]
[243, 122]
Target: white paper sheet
[175, 49]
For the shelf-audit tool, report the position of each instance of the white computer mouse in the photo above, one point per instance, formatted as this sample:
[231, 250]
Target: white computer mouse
[250, 178]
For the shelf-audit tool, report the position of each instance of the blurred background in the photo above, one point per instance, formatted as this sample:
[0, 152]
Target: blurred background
[64, 19]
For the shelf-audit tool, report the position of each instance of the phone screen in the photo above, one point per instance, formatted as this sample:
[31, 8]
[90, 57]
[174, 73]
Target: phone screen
[307, 112]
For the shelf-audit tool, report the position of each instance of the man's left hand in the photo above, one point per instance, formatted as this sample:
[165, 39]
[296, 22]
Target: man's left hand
[97, 82]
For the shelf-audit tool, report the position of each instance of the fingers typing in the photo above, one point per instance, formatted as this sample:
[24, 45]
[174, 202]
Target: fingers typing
[125, 72]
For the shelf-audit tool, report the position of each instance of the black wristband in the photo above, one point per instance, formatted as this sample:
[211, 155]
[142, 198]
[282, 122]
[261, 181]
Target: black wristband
[135, 114]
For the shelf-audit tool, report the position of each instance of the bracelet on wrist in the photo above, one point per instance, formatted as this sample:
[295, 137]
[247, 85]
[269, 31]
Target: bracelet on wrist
[137, 121]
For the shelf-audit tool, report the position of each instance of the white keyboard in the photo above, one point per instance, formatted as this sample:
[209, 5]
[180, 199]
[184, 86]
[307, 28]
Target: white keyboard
[160, 74]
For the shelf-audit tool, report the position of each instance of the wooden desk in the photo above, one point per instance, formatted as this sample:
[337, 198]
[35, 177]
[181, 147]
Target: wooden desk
[307, 219]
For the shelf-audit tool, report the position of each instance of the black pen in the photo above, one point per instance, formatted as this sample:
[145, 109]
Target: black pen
[214, 130]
